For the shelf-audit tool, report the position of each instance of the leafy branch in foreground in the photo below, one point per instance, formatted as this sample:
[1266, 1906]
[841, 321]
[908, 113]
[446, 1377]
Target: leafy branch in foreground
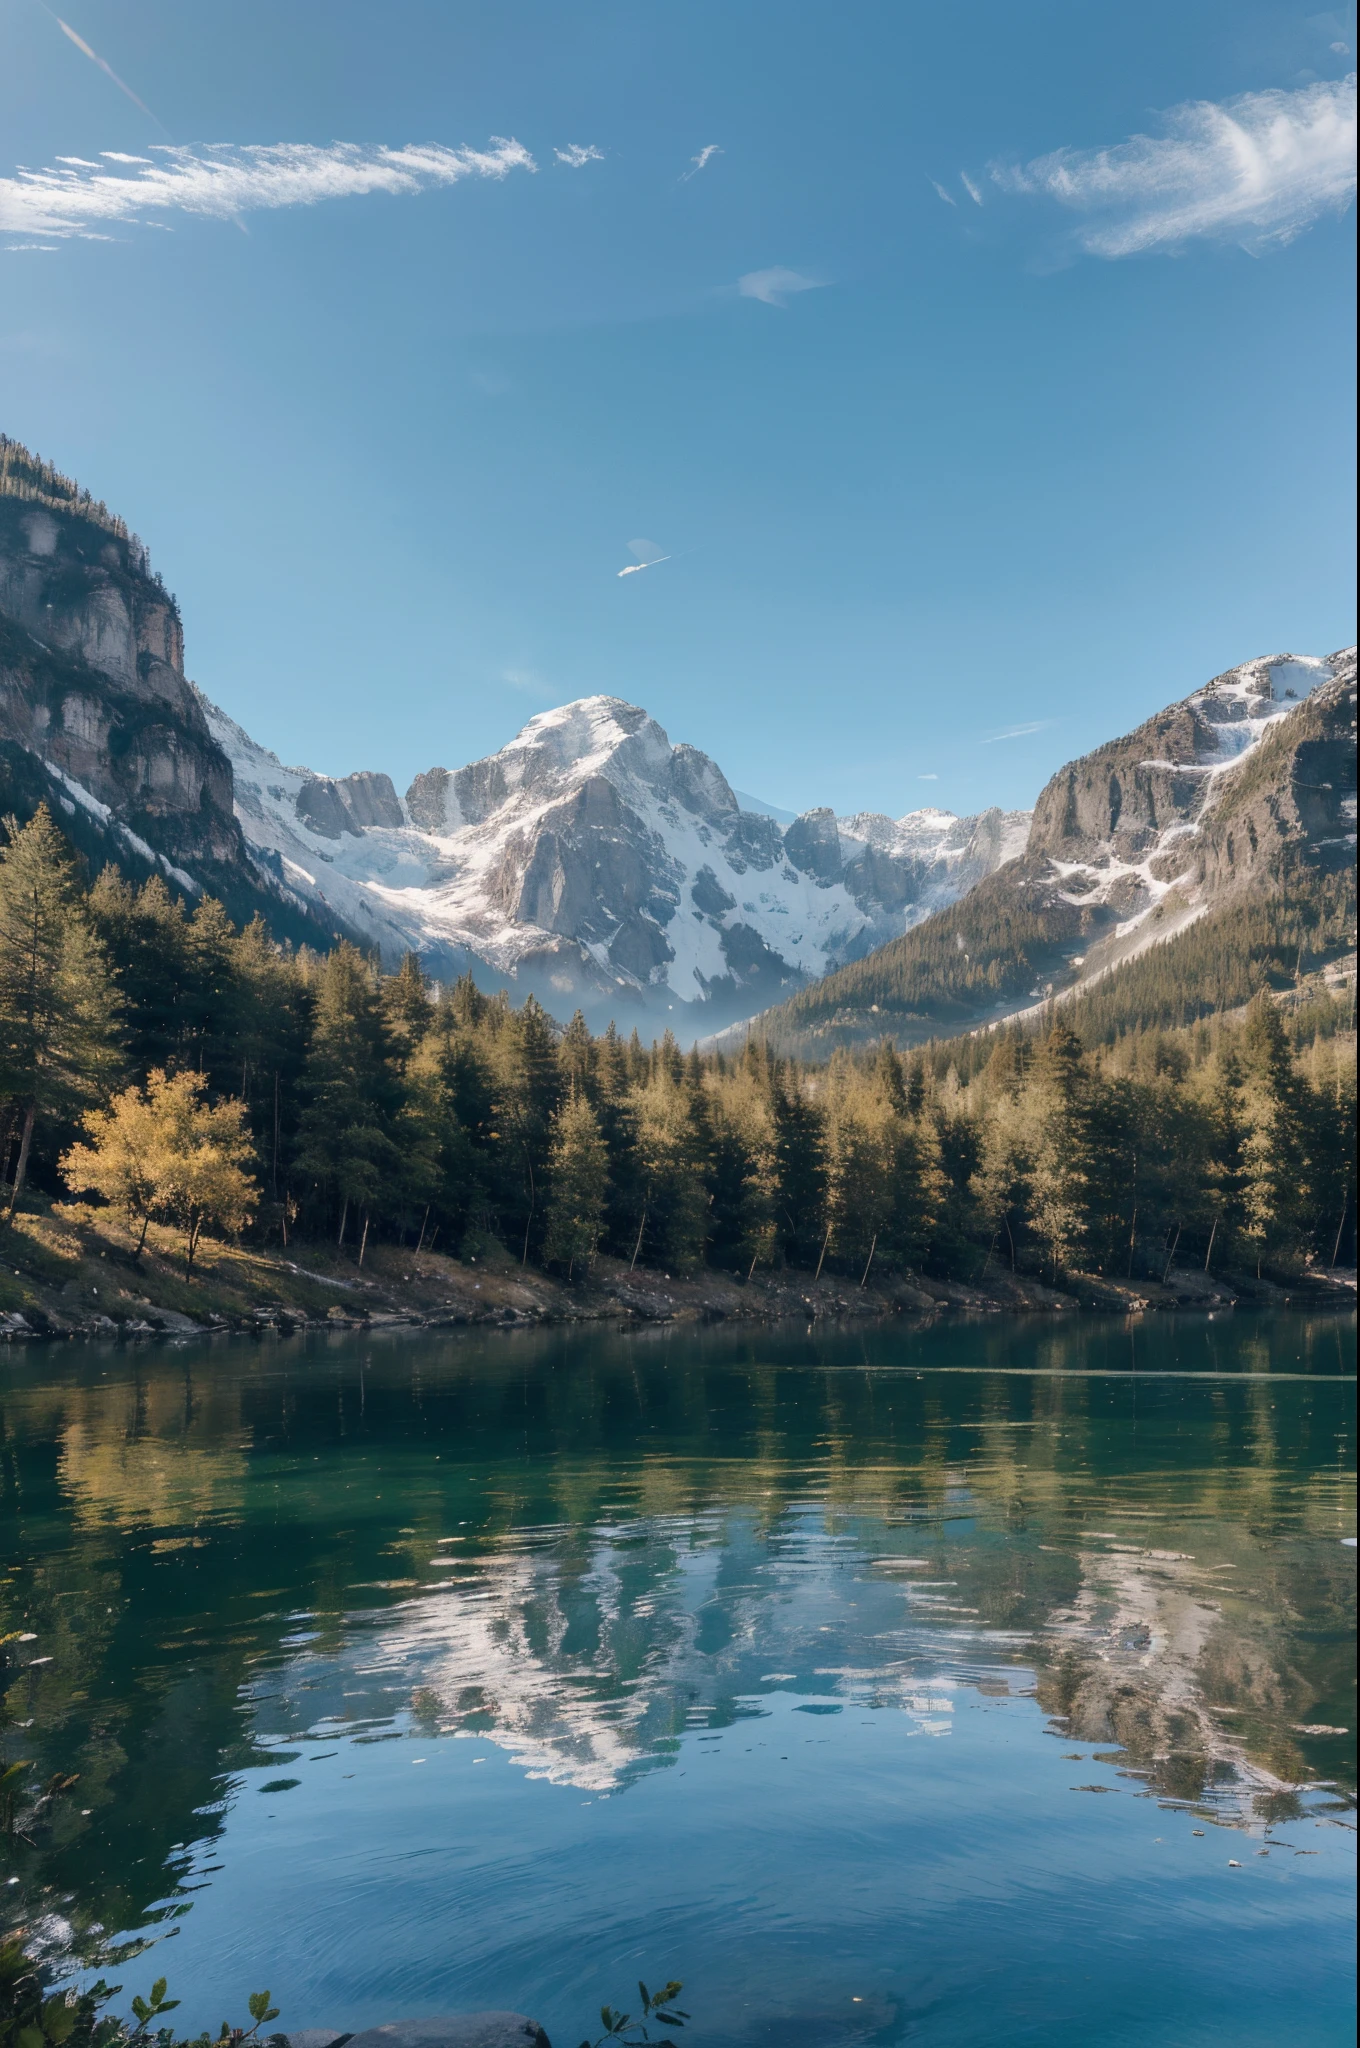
[32, 2015]
[658, 2005]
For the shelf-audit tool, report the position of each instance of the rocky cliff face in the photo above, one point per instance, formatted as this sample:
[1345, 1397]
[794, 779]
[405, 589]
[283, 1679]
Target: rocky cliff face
[596, 864]
[96, 715]
[92, 683]
[1262, 744]
[1236, 787]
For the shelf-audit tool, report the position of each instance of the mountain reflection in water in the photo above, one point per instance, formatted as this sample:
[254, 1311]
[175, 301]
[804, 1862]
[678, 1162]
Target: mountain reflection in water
[592, 1553]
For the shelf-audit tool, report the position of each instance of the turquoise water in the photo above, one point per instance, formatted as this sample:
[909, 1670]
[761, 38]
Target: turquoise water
[915, 1686]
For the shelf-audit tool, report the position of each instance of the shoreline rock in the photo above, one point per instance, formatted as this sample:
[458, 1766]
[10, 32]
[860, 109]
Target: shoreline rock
[444, 2030]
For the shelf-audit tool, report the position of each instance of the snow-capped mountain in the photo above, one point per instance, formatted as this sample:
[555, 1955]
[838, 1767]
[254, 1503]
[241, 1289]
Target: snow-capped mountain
[1144, 817]
[1243, 785]
[596, 864]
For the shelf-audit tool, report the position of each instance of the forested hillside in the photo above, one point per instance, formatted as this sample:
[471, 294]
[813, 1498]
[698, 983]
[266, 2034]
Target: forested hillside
[1206, 856]
[945, 970]
[356, 1106]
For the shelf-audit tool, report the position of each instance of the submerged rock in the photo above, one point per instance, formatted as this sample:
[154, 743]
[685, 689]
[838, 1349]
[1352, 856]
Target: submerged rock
[445, 2030]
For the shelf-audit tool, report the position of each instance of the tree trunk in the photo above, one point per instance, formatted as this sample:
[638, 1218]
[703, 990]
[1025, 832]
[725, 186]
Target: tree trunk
[533, 1201]
[22, 1168]
[1209, 1254]
[146, 1224]
[344, 1212]
[821, 1255]
[873, 1247]
[423, 1221]
[638, 1246]
[1172, 1259]
[363, 1241]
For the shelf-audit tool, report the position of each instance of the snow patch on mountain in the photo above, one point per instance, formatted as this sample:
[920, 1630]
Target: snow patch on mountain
[1228, 721]
[595, 861]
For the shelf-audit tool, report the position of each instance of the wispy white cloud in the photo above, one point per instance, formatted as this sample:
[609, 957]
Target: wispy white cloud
[776, 286]
[1258, 169]
[527, 681]
[928, 778]
[225, 180]
[973, 191]
[1016, 732]
[701, 162]
[947, 196]
[577, 153]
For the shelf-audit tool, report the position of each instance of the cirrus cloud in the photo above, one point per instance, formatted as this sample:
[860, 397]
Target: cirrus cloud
[1257, 169]
[1016, 732]
[775, 287]
[222, 181]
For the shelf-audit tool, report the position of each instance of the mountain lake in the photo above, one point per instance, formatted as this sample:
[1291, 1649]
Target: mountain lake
[955, 1684]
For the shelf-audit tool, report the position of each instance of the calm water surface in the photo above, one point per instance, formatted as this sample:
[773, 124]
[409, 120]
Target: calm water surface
[917, 1686]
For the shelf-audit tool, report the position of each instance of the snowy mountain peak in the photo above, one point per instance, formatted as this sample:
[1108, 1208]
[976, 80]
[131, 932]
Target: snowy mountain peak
[594, 862]
[563, 749]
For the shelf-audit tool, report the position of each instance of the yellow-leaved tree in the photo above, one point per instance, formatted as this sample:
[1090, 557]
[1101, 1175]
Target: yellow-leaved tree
[167, 1154]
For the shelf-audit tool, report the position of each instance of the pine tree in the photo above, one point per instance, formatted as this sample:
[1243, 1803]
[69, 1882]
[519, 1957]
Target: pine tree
[576, 1056]
[345, 1136]
[800, 1172]
[407, 1007]
[1056, 1106]
[146, 938]
[864, 1132]
[1276, 1169]
[578, 1177]
[58, 1005]
[742, 1169]
[673, 1224]
[274, 1013]
[529, 1089]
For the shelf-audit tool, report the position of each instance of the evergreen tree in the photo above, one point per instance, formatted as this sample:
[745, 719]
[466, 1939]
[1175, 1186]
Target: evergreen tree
[144, 933]
[578, 1176]
[864, 1131]
[673, 1224]
[1276, 1170]
[58, 1005]
[800, 1172]
[1057, 1108]
[576, 1057]
[743, 1170]
[529, 1089]
[345, 1137]
[407, 1008]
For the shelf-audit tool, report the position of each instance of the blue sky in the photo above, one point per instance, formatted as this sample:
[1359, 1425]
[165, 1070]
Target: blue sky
[955, 483]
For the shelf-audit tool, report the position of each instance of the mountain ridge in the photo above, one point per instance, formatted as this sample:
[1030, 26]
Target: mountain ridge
[1245, 784]
[593, 863]
[599, 865]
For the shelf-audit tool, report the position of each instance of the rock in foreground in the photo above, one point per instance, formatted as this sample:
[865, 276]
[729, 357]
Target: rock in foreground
[444, 2030]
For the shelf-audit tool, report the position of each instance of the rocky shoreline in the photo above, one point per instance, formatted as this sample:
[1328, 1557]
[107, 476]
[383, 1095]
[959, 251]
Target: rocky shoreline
[71, 1272]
